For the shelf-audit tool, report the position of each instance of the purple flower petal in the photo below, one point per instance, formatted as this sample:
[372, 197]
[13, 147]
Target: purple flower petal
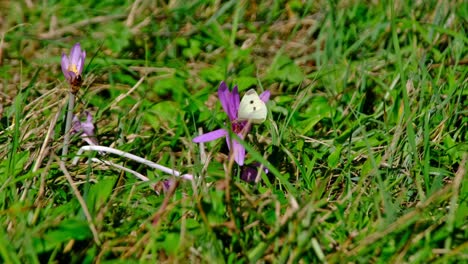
[249, 173]
[235, 101]
[71, 75]
[88, 126]
[86, 129]
[64, 63]
[265, 96]
[215, 134]
[228, 101]
[167, 185]
[223, 95]
[239, 152]
[162, 187]
[75, 54]
[80, 63]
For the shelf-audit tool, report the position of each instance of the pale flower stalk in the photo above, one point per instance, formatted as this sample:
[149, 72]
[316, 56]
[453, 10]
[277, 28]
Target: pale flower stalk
[72, 67]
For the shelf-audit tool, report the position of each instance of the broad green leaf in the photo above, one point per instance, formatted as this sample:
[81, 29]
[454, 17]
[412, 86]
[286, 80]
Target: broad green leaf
[334, 157]
[166, 112]
[284, 69]
[64, 232]
[317, 109]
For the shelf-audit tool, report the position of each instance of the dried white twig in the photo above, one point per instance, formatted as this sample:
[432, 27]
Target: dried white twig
[132, 157]
[123, 96]
[110, 163]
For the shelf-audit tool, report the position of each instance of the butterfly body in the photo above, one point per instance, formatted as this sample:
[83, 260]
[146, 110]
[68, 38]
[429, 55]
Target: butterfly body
[252, 108]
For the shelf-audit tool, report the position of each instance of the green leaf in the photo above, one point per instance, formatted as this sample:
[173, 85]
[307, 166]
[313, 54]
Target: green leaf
[212, 74]
[334, 157]
[171, 243]
[368, 166]
[100, 192]
[65, 231]
[318, 109]
[284, 69]
[193, 50]
[118, 37]
[245, 82]
[461, 214]
[166, 112]
[173, 86]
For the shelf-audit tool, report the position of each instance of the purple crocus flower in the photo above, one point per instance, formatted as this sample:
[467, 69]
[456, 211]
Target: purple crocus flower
[86, 128]
[230, 102]
[72, 66]
[164, 186]
[249, 172]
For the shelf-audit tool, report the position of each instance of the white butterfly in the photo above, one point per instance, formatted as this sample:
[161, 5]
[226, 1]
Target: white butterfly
[252, 108]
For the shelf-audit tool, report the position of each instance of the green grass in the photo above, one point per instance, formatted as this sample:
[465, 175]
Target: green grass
[365, 142]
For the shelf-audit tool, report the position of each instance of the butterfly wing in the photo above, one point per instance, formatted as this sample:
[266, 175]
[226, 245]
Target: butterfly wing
[252, 108]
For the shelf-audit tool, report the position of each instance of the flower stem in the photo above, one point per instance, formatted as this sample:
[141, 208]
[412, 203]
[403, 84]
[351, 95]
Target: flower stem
[66, 139]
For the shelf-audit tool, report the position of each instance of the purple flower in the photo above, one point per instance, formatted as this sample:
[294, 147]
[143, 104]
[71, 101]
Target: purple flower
[249, 173]
[86, 128]
[164, 186]
[72, 66]
[230, 102]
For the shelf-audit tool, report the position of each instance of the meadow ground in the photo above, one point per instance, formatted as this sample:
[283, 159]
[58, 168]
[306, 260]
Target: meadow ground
[365, 142]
